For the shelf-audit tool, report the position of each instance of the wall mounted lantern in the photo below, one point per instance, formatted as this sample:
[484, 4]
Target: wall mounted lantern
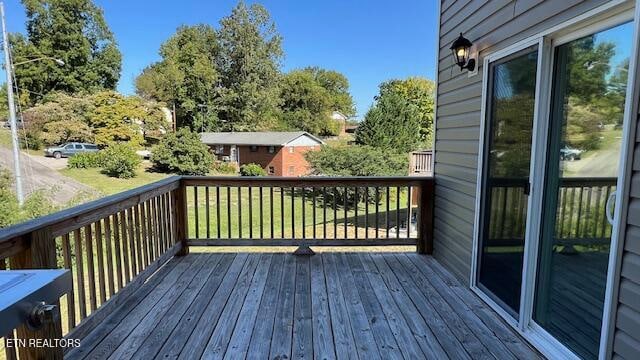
[460, 49]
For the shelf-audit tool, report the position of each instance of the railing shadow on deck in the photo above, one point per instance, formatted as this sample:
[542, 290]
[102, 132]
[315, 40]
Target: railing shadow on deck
[113, 245]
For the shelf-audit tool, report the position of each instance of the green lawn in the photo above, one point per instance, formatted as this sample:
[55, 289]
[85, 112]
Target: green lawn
[5, 142]
[108, 185]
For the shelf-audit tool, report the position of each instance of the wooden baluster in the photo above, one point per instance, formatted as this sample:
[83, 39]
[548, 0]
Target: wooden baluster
[587, 217]
[218, 211]
[345, 205]
[355, 209]
[71, 307]
[144, 235]
[377, 213]
[605, 232]
[596, 221]
[261, 215]
[100, 254]
[271, 210]
[282, 212]
[109, 248]
[88, 238]
[239, 212]
[159, 224]
[207, 210]
[304, 222]
[324, 212]
[134, 229]
[229, 212]
[77, 242]
[409, 212]
[195, 212]
[117, 249]
[579, 212]
[398, 214]
[181, 218]
[366, 213]
[251, 212]
[153, 250]
[313, 194]
[335, 213]
[387, 214]
[132, 243]
[166, 212]
[293, 212]
[125, 247]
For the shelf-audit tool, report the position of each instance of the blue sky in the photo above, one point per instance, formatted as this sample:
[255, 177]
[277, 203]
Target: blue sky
[369, 41]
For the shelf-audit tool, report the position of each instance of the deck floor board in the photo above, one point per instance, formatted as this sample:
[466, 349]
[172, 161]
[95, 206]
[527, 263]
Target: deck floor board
[281, 306]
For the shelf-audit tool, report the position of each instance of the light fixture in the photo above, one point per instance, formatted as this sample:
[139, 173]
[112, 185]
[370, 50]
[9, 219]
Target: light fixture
[460, 49]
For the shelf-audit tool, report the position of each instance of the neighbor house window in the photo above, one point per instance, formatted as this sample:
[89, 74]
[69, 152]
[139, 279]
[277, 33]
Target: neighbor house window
[291, 149]
[272, 170]
[272, 149]
[253, 148]
[292, 170]
[219, 149]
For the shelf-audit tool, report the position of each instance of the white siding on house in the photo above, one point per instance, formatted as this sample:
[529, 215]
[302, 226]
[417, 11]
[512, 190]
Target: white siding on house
[304, 141]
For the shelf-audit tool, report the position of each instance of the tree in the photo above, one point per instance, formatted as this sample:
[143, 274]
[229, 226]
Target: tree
[309, 96]
[183, 153]
[357, 161]
[186, 76]
[120, 160]
[73, 31]
[391, 124]
[249, 63]
[419, 92]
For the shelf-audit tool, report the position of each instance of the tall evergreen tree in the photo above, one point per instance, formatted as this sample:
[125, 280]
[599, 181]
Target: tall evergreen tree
[75, 32]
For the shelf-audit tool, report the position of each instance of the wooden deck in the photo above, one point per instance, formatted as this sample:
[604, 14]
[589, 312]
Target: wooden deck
[281, 306]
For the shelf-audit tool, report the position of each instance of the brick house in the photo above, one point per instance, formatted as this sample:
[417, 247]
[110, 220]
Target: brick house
[279, 153]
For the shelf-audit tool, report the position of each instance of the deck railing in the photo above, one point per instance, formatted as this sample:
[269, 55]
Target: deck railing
[421, 162]
[581, 212]
[114, 244]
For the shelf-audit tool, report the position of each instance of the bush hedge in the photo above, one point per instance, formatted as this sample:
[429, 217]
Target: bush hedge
[120, 160]
[183, 153]
[252, 170]
[87, 160]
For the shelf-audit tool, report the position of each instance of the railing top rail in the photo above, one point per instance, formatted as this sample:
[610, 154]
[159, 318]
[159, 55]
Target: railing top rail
[315, 181]
[76, 213]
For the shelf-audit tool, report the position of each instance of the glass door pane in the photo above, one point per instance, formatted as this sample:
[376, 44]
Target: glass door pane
[590, 77]
[505, 187]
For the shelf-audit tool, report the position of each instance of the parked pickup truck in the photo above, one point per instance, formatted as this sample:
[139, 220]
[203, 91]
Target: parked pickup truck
[69, 149]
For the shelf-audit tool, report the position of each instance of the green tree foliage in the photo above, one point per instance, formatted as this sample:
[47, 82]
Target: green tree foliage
[309, 97]
[71, 30]
[182, 153]
[391, 124]
[120, 160]
[249, 62]
[105, 117]
[36, 204]
[357, 161]
[252, 170]
[186, 76]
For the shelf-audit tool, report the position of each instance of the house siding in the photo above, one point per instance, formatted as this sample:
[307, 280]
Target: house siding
[626, 338]
[490, 25]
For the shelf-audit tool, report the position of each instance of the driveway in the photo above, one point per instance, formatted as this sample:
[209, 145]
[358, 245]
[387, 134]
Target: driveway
[39, 172]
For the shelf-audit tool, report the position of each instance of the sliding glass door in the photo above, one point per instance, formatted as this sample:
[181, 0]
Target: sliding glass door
[583, 151]
[505, 185]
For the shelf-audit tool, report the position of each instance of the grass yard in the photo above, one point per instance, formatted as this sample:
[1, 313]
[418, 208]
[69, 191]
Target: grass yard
[108, 185]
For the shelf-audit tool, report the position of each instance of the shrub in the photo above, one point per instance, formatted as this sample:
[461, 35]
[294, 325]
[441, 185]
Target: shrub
[357, 161]
[87, 160]
[183, 153]
[252, 170]
[222, 167]
[30, 141]
[120, 160]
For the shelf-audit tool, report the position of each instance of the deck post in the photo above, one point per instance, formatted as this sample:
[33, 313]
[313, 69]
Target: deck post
[425, 211]
[180, 203]
[41, 254]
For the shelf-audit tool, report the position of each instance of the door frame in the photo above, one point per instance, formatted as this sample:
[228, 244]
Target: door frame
[600, 18]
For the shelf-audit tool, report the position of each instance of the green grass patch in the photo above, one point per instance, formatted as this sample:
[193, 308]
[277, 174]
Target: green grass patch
[108, 185]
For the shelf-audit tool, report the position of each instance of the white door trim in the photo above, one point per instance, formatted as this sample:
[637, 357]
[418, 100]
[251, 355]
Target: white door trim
[611, 14]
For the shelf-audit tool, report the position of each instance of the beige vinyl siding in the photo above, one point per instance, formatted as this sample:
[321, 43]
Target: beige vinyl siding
[626, 340]
[490, 25]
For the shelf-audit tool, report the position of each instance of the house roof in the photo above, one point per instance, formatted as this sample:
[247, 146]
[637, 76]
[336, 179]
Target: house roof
[268, 138]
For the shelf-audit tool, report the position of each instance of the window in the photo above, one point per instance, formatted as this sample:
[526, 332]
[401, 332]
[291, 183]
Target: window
[69, 147]
[272, 170]
[78, 147]
[291, 149]
[219, 149]
[292, 170]
[272, 149]
[91, 147]
[253, 148]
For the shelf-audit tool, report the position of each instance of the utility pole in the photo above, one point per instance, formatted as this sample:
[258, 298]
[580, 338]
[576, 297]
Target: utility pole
[12, 109]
